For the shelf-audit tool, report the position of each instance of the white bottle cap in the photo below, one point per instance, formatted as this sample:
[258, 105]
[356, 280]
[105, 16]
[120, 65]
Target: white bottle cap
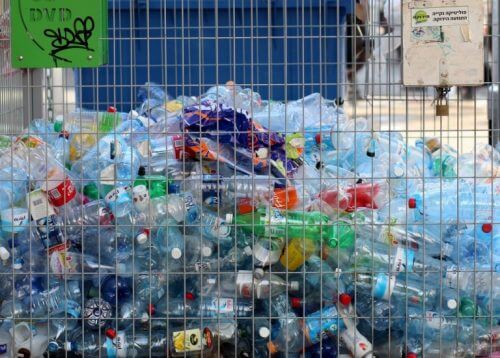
[206, 251]
[176, 253]
[452, 304]
[399, 171]
[4, 254]
[133, 114]
[248, 251]
[144, 317]
[18, 264]
[258, 273]
[229, 218]
[142, 238]
[211, 281]
[264, 332]
[294, 286]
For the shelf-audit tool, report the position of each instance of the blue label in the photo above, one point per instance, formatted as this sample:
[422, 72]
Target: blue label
[326, 321]
[381, 289]
[49, 231]
[3, 348]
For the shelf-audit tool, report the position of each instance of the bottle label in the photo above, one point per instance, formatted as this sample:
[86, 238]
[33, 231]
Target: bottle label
[50, 233]
[63, 193]
[325, 321]
[120, 344]
[178, 146]
[221, 305]
[384, 286]
[3, 348]
[244, 282]
[187, 341]
[39, 205]
[141, 197]
[265, 256]
[14, 219]
[274, 223]
[434, 320]
[403, 260]
[63, 262]
[190, 206]
[107, 175]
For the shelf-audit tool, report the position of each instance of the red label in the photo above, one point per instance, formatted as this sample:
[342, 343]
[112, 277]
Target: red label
[63, 193]
[178, 146]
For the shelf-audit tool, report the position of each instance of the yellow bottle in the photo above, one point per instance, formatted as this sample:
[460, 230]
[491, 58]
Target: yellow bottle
[297, 252]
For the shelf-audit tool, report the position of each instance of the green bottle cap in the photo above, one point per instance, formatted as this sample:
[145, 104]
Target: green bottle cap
[58, 125]
[91, 191]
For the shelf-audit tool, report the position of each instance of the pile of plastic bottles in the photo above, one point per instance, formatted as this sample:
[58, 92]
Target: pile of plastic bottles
[227, 225]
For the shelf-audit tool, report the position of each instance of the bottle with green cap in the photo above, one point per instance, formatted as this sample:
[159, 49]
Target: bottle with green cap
[150, 194]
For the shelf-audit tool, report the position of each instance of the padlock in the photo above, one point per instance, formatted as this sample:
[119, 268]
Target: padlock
[442, 110]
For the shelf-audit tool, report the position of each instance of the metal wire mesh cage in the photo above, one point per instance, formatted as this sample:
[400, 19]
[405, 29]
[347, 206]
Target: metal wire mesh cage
[247, 178]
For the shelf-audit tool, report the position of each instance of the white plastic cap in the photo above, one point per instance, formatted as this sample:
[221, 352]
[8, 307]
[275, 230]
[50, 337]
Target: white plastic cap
[264, 332]
[211, 281]
[229, 218]
[18, 264]
[248, 251]
[142, 238]
[452, 304]
[258, 273]
[294, 286]
[133, 114]
[176, 253]
[399, 171]
[206, 251]
[144, 317]
[4, 254]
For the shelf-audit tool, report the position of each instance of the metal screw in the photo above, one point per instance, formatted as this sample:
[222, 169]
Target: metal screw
[90, 57]
[21, 58]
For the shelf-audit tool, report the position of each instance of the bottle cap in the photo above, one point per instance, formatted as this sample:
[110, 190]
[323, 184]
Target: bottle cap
[229, 218]
[189, 296]
[317, 138]
[247, 250]
[4, 254]
[206, 251]
[91, 191]
[58, 124]
[411, 355]
[467, 307]
[133, 114]
[370, 154]
[112, 109]
[345, 299]
[412, 203]
[23, 353]
[451, 304]
[296, 302]
[142, 171]
[264, 332]
[258, 273]
[111, 333]
[142, 238]
[176, 253]
[18, 264]
[487, 228]
[294, 286]
[433, 144]
[151, 309]
[285, 198]
[144, 317]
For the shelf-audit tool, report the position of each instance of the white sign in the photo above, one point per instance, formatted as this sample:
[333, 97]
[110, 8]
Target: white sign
[443, 43]
[440, 16]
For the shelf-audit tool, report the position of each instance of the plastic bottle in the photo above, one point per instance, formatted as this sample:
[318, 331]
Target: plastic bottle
[190, 342]
[130, 343]
[296, 252]
[444, 158]
[302, 333]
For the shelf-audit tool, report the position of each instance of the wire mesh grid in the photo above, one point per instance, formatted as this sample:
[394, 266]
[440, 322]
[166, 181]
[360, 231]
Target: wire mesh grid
[159, 238]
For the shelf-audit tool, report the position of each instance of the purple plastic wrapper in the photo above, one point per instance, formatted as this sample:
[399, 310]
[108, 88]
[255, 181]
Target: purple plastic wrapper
[227, 126]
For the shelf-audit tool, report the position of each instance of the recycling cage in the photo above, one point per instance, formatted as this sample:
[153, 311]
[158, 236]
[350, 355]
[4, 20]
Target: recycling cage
[378, 238]
[176, 43]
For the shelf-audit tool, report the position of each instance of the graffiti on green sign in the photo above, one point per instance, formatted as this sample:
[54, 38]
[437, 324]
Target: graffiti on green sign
[420, 16]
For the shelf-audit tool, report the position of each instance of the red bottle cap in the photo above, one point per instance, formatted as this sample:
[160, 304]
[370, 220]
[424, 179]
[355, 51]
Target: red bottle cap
[412, 203]
[296, 302]
[189, 296]
[318, 138]
[111, 333]
[151, 309]
[345, 299]
[487, 228]
[112, 109]
[411, 355]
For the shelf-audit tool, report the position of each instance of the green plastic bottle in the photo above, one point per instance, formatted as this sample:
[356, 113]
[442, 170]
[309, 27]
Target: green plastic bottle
[271, 222]
[155, 184]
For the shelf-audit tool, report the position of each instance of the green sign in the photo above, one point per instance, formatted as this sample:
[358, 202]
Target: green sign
[59, 33]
